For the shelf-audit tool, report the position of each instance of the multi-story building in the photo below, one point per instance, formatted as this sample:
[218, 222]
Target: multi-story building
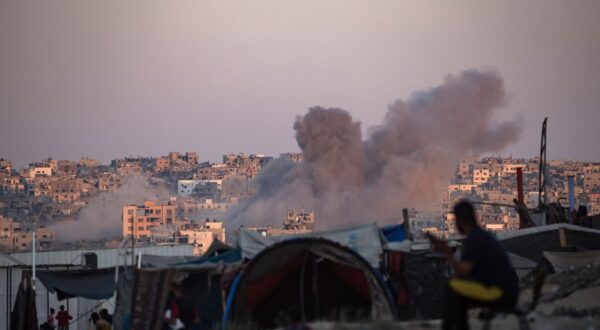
[295, 157]
[138, 220]
[108, 181]
[481, 174]
[201, 188]
[88, 162]
[67, 168]
[299, 220]
[591, 178]
[162, 164]
[17, 236]
[5, 166]
[189, 157]
[202, 235]
[36, 170]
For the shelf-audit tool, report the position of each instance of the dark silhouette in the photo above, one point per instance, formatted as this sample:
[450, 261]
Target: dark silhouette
[106, 316]
[483, 276]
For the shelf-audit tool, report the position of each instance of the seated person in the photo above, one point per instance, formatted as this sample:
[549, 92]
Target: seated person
[483, 276]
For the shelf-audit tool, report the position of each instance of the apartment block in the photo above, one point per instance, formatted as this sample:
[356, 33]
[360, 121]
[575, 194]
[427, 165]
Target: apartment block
[18, 236]
[138, 220]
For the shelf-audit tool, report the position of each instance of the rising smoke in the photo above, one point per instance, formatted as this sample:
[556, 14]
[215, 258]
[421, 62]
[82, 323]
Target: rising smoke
[404, 162]
[101, 217]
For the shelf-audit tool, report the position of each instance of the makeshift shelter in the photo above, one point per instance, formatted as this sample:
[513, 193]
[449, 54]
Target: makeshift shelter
[85, 283]
[530, 243]
[366, 240]
[217, 247]
[200, 277]
[565, 260]
[320, 278]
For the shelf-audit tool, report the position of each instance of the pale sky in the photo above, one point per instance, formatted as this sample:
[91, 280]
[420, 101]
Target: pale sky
[108, 79]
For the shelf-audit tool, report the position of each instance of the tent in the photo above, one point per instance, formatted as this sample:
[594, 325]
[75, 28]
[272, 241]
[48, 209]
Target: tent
[318, 277]
[366, 240]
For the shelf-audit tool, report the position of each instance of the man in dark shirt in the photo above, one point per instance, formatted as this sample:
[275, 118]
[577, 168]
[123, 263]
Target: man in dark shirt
[483, 276]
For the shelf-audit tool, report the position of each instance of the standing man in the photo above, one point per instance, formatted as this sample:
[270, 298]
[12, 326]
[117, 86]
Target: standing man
[482, 277]
[63, 318]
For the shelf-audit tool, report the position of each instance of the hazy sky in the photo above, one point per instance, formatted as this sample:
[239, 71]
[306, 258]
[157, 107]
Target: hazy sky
[109, 79]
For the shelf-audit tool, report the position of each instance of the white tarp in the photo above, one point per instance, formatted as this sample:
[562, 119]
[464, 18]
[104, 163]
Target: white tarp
[365, 240]
[564, 260]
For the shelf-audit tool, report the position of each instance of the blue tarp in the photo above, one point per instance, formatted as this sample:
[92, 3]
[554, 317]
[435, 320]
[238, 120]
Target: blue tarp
[393, 233]
[226, 257]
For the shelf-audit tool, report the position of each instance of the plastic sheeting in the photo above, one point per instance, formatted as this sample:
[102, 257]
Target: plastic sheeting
[365, 240]
[92, 284]
[564, 260]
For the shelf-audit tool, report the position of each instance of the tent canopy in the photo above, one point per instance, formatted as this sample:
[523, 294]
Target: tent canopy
[318, 277]
[91, 284]
[366, 240]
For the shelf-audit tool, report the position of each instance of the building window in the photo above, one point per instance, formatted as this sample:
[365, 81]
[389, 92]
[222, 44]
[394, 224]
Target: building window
[141, 228]
[130, 228]
[130, 212]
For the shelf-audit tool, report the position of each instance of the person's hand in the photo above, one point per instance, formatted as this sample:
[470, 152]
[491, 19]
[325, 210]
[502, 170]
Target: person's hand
[439, 245]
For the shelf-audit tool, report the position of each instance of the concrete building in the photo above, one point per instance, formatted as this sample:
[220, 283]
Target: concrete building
[108, 181]
[5, 166]
[138, 220]
[481, 174]
[295, 157]
[162, 164]
[18, 236]
[88, 162]
[591, 178]
[299, 220]
[202, 235]
[36, 170]
[200, 188]
[189, 157]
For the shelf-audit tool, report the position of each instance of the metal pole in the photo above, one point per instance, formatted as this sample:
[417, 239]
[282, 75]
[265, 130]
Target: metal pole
[8, 270]
[406, 223]
[571, 198]
[542, 169]
[33, 261]
[520, 194]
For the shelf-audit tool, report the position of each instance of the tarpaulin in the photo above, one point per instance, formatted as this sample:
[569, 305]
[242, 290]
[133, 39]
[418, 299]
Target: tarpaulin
[365, 240]
[394, 233]
[90, 284]
[565, 260]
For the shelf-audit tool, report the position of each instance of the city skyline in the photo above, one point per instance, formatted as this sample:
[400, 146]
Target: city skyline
[217, 77]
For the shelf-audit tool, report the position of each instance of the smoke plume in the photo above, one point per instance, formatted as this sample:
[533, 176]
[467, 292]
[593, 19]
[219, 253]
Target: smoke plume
[101, 217]
[404, 162]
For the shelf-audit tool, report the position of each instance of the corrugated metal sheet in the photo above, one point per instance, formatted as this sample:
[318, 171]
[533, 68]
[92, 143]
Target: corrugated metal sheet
[106, 257]
[79, 308]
